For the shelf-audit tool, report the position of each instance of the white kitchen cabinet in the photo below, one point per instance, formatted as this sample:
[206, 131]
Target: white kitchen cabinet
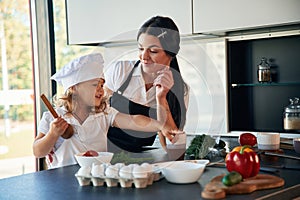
[219, 16]
[105, 21]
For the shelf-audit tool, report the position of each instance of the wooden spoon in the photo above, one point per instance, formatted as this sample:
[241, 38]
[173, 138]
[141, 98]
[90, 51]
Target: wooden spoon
[69, 131]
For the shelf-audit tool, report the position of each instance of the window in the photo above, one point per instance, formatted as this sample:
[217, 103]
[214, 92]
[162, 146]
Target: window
[16, 90]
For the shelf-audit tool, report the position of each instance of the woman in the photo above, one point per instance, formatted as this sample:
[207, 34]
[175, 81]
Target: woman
[84, 107]
[153, 80]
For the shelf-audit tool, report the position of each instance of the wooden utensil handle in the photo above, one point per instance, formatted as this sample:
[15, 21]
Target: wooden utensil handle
[69, 131]
[49, 106]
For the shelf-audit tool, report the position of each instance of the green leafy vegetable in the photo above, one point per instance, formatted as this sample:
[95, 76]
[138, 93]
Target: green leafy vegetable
[200, 146]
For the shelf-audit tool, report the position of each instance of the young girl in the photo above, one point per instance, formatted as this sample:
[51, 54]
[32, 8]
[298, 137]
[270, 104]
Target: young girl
[83, 106]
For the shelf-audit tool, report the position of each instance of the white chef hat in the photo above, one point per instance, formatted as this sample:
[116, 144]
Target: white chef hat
[81, 69]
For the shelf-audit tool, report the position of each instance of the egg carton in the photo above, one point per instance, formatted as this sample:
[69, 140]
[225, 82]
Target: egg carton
[118, 181]
[122, 182]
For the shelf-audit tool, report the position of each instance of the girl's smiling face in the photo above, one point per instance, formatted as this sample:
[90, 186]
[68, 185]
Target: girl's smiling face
[91, 92]
[151, 54]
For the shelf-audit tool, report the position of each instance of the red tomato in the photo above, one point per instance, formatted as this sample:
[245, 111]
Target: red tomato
[90, 153]
[247, 139]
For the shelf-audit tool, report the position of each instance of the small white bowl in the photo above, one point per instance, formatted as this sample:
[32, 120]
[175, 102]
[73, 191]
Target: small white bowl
[103, 157]
[268, 141]
[183, 172]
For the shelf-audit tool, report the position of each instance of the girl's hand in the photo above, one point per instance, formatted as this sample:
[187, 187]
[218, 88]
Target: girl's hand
[58, 126]
[163, 82]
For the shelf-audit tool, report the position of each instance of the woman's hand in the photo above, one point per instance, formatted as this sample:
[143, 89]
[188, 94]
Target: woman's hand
[172, 135]
[163, 82]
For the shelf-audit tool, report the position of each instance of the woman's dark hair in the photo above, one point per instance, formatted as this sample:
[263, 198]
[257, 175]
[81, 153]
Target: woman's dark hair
[167, 32]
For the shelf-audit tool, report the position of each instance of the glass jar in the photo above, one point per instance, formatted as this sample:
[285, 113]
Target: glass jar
[291, 115]
[264, 71]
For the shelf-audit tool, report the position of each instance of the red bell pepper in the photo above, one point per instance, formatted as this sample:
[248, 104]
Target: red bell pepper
[243, 160]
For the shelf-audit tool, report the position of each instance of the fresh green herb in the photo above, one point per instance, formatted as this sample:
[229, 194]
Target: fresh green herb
[126, 158]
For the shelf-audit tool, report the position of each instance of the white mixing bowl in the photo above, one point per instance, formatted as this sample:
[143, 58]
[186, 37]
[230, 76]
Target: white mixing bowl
[183, 172]
[103, 157]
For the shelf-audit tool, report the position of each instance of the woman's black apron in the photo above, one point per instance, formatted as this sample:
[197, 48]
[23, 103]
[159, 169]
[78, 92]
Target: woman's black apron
[128, 140]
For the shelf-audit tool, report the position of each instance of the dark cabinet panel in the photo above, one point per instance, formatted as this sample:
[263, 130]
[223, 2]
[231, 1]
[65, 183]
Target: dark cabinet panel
[255, 106]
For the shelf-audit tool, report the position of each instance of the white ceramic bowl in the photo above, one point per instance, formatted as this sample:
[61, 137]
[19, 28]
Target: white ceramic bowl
[103, 157]
[183, 172]
[268, 141]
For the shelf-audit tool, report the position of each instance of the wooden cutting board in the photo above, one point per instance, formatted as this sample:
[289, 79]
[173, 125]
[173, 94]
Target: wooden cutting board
[216, 190]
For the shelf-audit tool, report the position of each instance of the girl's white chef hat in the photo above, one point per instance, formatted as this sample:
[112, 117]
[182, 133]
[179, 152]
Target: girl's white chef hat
[81, 69]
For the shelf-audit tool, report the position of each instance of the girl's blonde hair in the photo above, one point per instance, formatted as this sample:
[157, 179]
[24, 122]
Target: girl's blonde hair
[68, 100]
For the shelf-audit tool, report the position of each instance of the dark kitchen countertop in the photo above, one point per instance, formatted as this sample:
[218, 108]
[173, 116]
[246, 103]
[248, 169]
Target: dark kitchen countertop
[61, 183]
